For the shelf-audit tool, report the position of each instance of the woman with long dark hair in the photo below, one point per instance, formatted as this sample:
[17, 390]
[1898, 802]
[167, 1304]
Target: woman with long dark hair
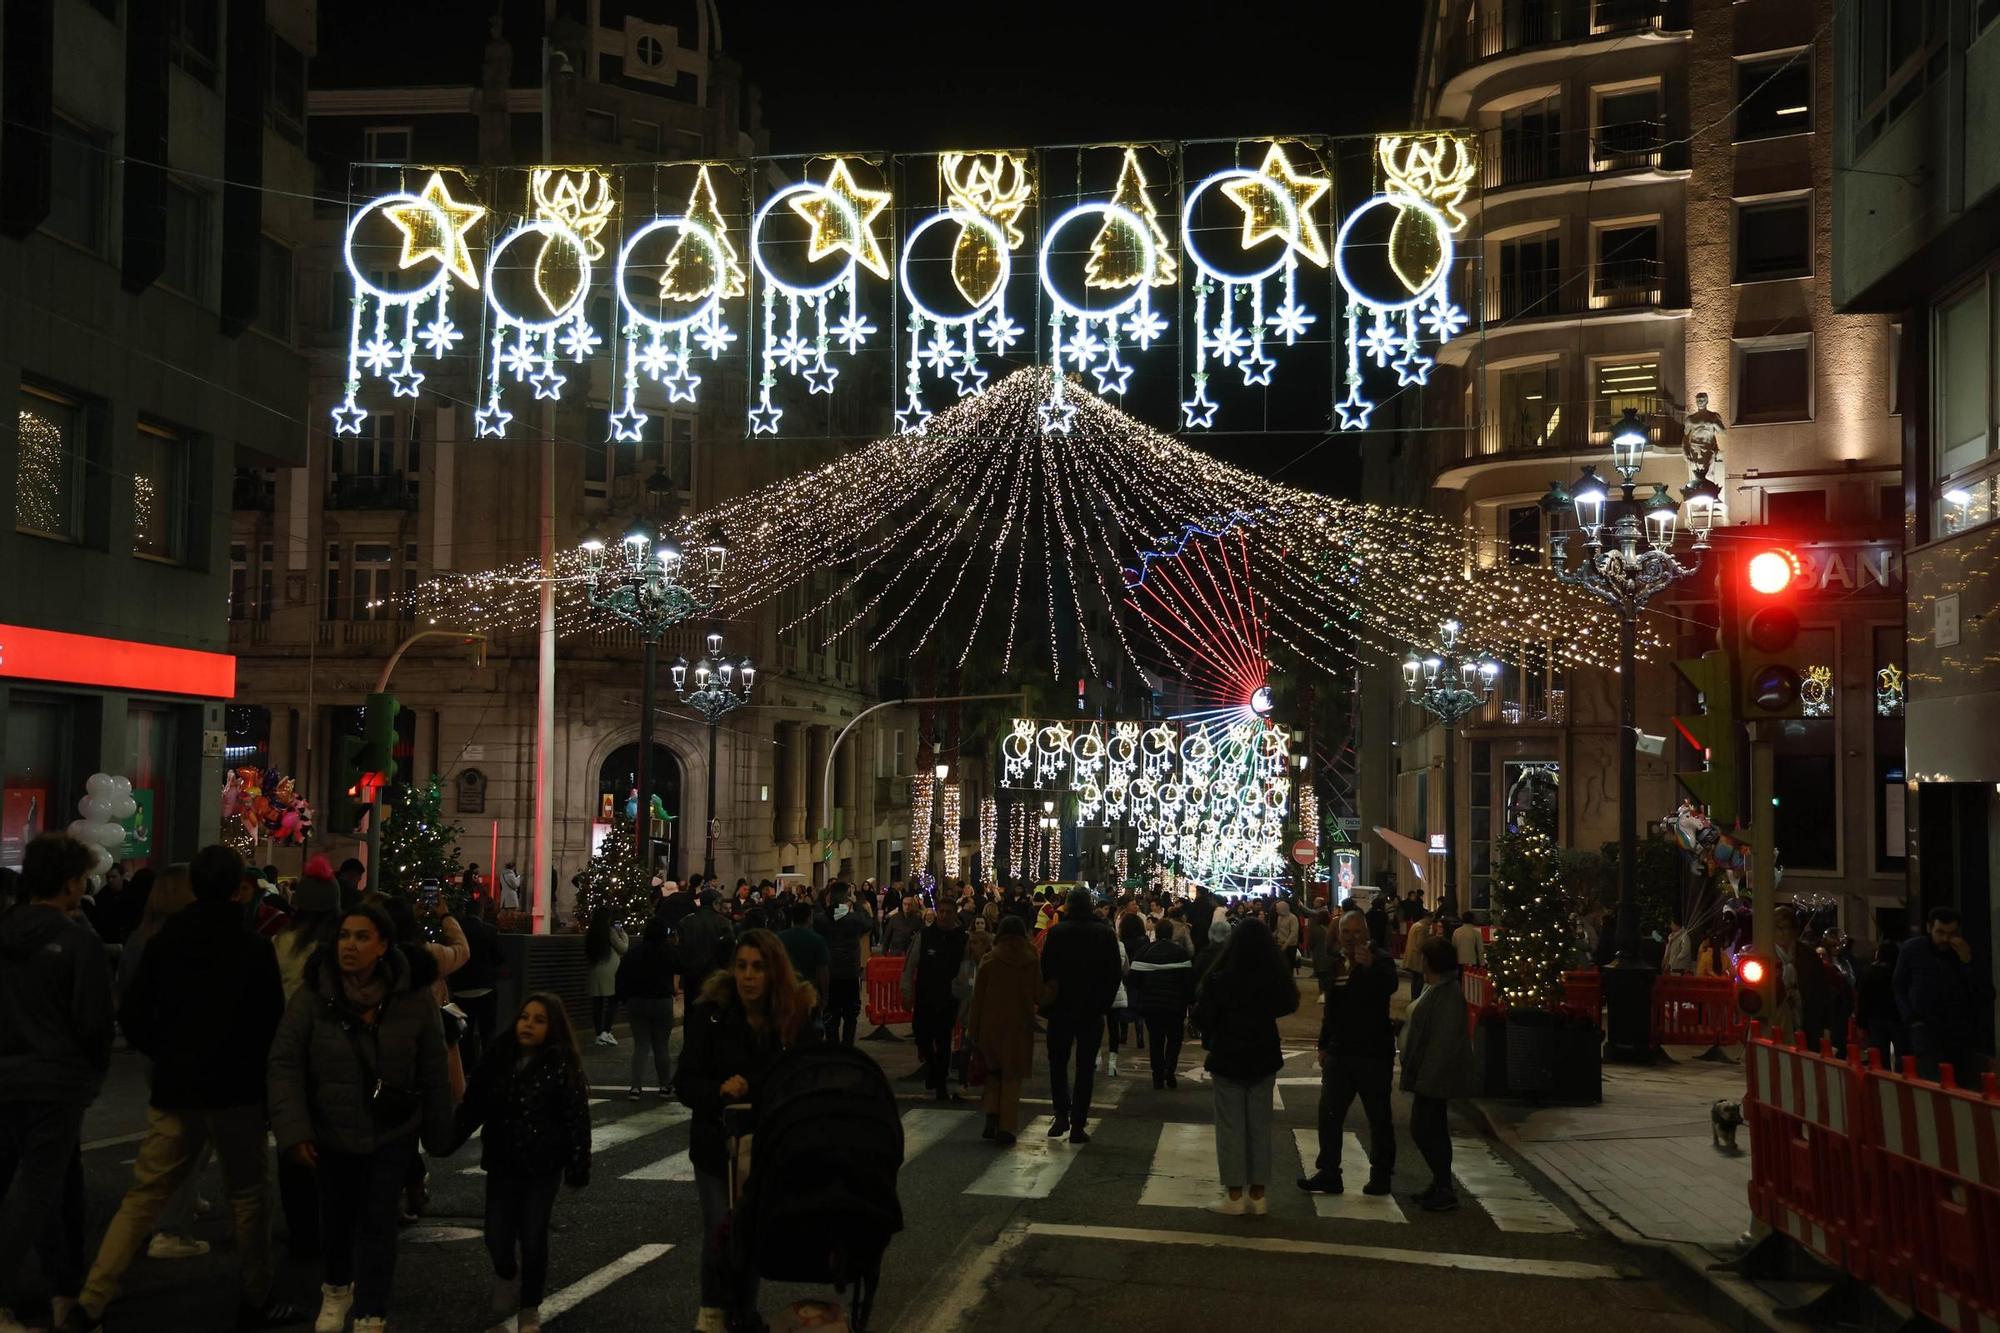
[1241, 999]
[604, 943]
[745, 1019]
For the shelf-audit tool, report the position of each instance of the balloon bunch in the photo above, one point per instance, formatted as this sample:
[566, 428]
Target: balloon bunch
[106, 800]
[262, 804]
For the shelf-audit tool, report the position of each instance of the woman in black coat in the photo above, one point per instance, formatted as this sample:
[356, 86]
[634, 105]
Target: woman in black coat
[1237, 1008]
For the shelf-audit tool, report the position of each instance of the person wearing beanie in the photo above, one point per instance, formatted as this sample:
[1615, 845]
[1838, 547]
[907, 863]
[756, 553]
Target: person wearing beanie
[1080, 961]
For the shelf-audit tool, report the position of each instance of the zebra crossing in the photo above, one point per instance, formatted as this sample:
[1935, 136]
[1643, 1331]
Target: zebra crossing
[648, 1145]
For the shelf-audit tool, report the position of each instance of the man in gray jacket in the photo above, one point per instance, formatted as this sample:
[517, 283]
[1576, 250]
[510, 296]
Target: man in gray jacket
[55, 1046]
[1437, 1066]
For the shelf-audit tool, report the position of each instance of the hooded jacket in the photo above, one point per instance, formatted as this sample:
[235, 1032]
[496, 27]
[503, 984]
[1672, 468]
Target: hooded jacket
[325, 1062]
[55, 1008]
[203, 1007]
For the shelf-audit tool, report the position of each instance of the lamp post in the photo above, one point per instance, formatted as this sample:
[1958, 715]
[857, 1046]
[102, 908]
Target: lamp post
[715, 698]
[1449, 687]
[1628, 559]
[645, 583]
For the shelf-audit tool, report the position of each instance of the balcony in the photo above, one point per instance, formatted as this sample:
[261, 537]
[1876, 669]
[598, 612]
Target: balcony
[1507, 28]
[1530, 425]
[253, 492]
[1626, 284]
[1635, 145]
[1525, 159]
[367, 492]
[1536, 294]
[248, 633]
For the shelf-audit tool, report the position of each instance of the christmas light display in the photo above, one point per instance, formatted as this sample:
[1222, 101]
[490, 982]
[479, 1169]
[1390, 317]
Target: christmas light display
[1203, 598]
[42, 473]
[699, 270]
[1889, 691]
[922, 800]
[952, 348]
[1017, 841]
[989, 832]
[1534, 938]
[531, 342]
[615, 880]
[419, 845]
[949, 816]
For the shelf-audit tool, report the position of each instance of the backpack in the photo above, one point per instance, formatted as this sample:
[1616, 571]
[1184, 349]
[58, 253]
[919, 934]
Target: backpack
[820, 1202]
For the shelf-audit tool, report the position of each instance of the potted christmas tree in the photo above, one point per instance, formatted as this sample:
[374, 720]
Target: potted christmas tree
[615, 881]
[1534, 941]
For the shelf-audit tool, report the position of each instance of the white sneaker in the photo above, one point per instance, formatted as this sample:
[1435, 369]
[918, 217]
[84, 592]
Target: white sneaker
[1256, 1207]
[166, 1246]
[371, 1325]
[1111, 1064]
[1228, 1207]
[709, 1319]
[334, 1303]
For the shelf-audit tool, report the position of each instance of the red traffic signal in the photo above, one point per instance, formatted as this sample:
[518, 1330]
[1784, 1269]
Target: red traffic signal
[1756, 985]
[1772, 681]
[1772, 570]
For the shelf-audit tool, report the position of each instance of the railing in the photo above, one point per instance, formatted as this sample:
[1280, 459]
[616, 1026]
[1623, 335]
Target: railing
[1622, 284]
[1523, 159]
[1535, 294]
[362, 492]
[1627, 146]
[1522, 427]
[1505, 28]
[885, 992]
[249, 631]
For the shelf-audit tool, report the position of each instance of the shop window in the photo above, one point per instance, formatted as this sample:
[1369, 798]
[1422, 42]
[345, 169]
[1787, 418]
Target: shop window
[38, 780]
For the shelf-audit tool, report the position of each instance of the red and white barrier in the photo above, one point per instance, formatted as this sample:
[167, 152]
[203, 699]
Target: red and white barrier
[885, 992]
[1803, 1109]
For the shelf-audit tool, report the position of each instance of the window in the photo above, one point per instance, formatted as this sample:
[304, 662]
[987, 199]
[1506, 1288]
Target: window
[1524, 535]
[1899, 50]
[374, 581]
[601, 126]
[159, 494]
[1531, 275]
[267, 579]
[274, 289]
[37, 769]
[194, 35]
[1774, 239]
[642, 136]
[1628, 265]
[1531, 142]
[1619, 385]
[187, 242]
[1527, 407]
[79, 169]
[239, 581]
[1774, 96]
[288, 89]
[332, 578]
[409, 571]
[48, 465]
[1628, 130]
[1964, 354]
[1807, 777]
[1774, 382]
[1795, 509]
[384, 144]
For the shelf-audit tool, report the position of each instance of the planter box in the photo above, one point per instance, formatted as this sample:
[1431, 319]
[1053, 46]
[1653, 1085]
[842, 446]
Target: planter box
[1489, 1055]
[1579, 1068]
[1555, 1057]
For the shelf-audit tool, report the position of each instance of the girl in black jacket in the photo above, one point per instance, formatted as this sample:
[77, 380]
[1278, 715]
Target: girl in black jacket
[1238, 1007]
[531, 1095]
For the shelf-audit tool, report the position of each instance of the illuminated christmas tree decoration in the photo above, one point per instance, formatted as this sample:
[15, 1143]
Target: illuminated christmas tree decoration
[1129, 248]
[922, 793]
[989, 832]
[1056, 415]
[658, 345]
[1393, 317]
[522, 339]
[699, 266]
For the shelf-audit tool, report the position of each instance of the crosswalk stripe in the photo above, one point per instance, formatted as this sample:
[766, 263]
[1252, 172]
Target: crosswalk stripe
[675, 1166]
[924, 1127]
[638, 1125]
[1183, 1170]
[1353, 1205]
[1032, 1168]
[576, 1293]
[1506, 1196]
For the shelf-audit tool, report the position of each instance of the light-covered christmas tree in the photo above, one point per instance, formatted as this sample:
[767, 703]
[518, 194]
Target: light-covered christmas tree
[1534, 939]
[419, 844]
[615, 880]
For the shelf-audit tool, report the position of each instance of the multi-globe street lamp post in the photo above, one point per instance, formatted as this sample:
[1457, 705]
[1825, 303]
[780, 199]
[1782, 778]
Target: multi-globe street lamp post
[1449, 687]
[1628, 559]
[644, 583]
[715, 698]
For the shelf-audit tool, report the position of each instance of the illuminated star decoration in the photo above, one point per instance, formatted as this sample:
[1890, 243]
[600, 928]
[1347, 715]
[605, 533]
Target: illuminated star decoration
[491, 421]
[406, 383]
[348, 418]
[843, 215]
[435, 228]
[1278, 204]
[628, 425]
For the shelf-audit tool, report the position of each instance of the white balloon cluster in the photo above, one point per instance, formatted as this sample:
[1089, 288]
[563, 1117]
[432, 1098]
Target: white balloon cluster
[106, 800]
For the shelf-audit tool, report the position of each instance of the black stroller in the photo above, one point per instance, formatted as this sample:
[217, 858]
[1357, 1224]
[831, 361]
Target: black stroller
[819, 1202]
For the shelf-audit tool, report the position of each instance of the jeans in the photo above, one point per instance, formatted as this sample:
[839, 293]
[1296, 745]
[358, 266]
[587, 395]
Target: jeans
[931, 1025]
[38, 1154]
[1243, 1131]
[1163, 1042]
[1345, 1078]
[719, 1288]
[167, 1160]
[843, 1008]
[603, 1010]
[298, 1195]
[652, 1024]
[1432, 1135]
[518, 1209]
[358, 1197]
[1083, 1035]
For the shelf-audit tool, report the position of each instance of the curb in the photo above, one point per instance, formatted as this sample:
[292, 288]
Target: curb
[1726, 1298]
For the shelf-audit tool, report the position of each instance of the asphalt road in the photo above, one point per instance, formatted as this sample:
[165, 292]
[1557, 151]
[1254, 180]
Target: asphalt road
[1111, 1235]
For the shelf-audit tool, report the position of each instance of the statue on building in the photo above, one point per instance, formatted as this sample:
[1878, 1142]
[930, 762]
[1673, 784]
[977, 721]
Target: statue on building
[1702, 438]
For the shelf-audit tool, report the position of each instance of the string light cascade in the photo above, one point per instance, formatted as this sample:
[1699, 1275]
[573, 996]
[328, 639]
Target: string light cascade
[949, 821]
[922, 796]
[989, 829]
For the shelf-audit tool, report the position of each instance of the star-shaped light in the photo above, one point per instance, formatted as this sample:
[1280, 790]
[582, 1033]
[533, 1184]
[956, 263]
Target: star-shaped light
[853, 330]
[970, 378]
[1226, 344]
[435, 229]
[1144, 326]
[1278, 201]
[1443, 319]
[1056, 417]
[1084, 348]
[440, 335]
[999, 333]
[1199, 410]
[842, 215]
[491, 422]
[522, 359]
[1354, 410]
[820, 375]
[548, 382]
[378, 354]
[654, 360]
[680, 382]
[628, 425]
[912, 418]
[348, 418]
[1113, 375]
[713, 335]
[406, 382]
[1382, 341]
[1291, 321]
[793, 352]
[579, 341]
[940, 353]
[1413, 367]
[1256, 367]
[764, 418]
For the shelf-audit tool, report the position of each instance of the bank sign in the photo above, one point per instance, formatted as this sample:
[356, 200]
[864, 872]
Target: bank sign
[1239, 284]
[1850, 569]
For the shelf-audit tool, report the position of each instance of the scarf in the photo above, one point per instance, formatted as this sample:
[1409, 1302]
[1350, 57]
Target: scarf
[367, 993]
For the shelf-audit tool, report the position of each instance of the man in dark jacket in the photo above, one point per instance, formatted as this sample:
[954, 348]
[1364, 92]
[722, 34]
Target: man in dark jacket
[845, 928]
[204, 1007]
[1080, 959]
[705, 939]
[1941, 999]
[930, 974]
[472, 985]
[1160, 985]
[1357, 1052]
[55, 1045]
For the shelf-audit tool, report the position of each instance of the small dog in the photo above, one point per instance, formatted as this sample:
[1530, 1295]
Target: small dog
[1723, 1118]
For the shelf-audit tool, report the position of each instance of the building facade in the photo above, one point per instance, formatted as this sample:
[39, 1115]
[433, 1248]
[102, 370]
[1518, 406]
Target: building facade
[1916, 142]
[153, 201]
[1654, 224]
[324, 554]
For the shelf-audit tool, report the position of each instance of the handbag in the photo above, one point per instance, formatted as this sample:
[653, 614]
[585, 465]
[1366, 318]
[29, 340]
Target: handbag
[388, 1105]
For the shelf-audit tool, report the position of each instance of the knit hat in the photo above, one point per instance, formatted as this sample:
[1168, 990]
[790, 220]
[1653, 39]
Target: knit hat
[1219, 932]
[316, 890]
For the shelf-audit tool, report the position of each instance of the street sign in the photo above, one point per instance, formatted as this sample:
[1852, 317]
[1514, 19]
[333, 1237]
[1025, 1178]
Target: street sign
[1349, 823]
[1305, 851]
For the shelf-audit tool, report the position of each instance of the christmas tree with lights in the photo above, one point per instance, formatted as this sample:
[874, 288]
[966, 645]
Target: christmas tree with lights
[615, 880]
[1534, 937]
[419, 845]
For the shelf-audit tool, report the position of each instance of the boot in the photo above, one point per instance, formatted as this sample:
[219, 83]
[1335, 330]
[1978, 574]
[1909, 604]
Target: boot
[334, 1303]
[992, 1126]
[710, 1319]
[506, 1296]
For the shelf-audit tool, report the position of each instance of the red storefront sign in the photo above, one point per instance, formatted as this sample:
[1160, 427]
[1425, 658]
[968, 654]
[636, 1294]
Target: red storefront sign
[116, 664]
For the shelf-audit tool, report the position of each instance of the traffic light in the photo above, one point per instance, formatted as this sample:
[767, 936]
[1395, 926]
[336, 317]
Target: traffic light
[376, 759]
[349, 803]
[1767, 642]
[1756, 985]
[1714, 732]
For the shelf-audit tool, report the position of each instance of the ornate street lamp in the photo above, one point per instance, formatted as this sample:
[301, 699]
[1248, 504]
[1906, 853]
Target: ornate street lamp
[1449, 687]
[715, 697]
[639, 581]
